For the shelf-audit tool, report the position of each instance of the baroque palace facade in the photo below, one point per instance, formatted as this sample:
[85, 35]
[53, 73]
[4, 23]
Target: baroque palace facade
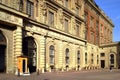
[56, 35]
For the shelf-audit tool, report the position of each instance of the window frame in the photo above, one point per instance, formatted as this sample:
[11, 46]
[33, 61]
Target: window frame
[52, 54]
[30, 8]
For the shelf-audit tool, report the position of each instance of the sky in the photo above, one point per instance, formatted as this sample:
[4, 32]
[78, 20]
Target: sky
[112, 9]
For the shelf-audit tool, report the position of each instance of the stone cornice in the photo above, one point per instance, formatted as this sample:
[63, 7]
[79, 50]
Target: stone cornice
[110, 44]
[53, 29]
[12, 11]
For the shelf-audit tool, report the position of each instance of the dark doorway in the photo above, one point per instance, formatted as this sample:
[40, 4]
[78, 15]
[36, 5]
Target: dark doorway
[2, 58]
[102, 63]
[2, 52]
[24, 66]
[29, 50]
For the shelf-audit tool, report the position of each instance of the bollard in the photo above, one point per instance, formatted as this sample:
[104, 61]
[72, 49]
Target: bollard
[19, 72]
[38, 72]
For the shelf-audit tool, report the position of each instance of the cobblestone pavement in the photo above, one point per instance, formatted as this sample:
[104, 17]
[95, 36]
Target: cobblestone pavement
[78, 75]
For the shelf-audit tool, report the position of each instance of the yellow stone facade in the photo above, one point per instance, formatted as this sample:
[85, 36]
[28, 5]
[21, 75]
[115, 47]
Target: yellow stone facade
[51, 33]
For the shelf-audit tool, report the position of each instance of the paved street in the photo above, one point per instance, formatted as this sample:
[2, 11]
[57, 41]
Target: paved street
[79, 75]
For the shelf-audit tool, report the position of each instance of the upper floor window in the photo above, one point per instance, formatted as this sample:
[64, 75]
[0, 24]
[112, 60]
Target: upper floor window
[91, 22]
[77, 30]
[85, 16]
[21, 5]
[66, 3]
[30, 8]
[97, 26]
[66, 25]
[102, 54]
[92, 37]
[51, 18]
[77, 10]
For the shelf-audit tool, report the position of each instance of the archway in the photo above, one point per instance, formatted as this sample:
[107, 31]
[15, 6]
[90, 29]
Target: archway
[112, 57]
[30, 50]
[2, 53]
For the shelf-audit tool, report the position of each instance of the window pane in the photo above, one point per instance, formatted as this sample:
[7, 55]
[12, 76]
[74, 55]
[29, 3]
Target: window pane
[102, 54]
[51, 54]
[66, 3]
[112, 59]
[77, 30]
[67, 56]
[66, 25]
[51, 19]
[30, 8]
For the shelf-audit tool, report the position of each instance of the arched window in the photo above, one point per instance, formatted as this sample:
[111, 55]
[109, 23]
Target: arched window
[97, 59]
[51, 54]
[85, 58]
[111, 59]
[78, 57]
[67, 56]
[92, 57]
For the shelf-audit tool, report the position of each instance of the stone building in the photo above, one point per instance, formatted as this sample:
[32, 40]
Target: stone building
[55, 35]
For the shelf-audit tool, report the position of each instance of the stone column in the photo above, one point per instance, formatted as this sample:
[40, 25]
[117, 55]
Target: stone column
[17, 44]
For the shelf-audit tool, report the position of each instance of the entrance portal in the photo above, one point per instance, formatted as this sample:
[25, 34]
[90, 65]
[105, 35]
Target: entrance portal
[102, 63]
[29, 50]
[2, 52]
[2, 58]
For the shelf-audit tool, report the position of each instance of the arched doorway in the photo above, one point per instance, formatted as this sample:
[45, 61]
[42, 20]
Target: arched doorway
[29, 50]
[112, 60]
[2, 53]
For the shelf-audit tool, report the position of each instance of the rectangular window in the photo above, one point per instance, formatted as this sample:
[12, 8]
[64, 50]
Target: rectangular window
[30, 8]
[97, 26]
[92, 22]
[85, 16]
[66, 25]
[102, 54]
[77, 10]
[66, 3]
[51, 19]
[92, 37]
[21, 5]
[0, 1]
[77, 30]
[86, 33]
[91, 61]
[97, 40]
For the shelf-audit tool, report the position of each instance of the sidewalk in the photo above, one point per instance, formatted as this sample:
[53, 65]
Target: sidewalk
[104, 74]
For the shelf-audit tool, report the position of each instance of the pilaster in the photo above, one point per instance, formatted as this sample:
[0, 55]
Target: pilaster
[17, 44]
[42, 54]
[60, 60]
